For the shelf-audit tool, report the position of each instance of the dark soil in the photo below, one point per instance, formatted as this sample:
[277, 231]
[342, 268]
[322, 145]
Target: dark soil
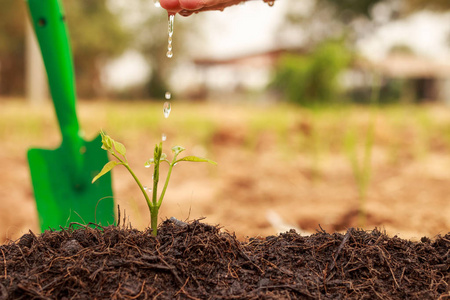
[199, 261]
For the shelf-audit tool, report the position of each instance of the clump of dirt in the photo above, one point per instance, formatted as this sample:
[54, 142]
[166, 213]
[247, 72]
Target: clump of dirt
[199, 261]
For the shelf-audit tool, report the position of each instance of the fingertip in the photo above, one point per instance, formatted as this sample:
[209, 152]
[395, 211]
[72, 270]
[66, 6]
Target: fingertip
[170, 5]
[192, 4]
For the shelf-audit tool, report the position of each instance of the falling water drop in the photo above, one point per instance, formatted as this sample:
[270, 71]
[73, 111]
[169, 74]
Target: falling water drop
[169, 53]
[163, 137]
[271, 3]
[170, 28]
[168, 95]
[166, 109]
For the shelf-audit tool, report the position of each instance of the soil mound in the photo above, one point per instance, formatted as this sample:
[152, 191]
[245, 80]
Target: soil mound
[199, 261]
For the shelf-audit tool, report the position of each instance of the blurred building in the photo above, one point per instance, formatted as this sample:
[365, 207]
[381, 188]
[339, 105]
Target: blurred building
[428, 80]
[414, 78]
[230, 75]
[404, 76]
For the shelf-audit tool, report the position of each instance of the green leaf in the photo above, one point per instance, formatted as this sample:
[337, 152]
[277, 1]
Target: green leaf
[149, 162]
[196, 159]
[106, 168]
[120, 148]
[177, 150]
[164, 158]
[107, 141]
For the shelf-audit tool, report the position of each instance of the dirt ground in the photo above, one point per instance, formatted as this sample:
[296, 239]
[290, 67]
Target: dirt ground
[196, 261]
[259, 188]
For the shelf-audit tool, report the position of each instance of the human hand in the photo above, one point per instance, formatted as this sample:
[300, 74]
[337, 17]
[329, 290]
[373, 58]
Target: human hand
[188, 7]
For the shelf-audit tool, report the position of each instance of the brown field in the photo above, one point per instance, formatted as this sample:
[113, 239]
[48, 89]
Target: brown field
[273, 161]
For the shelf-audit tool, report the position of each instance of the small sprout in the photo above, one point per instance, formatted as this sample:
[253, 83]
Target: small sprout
[164, 158]
[120, 148]
[155, 203]
[106, 141]
[177, 150]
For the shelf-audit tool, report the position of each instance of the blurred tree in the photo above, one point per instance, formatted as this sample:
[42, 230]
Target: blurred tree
[96, 35]
[350, 9]
[312, 79]
[315, 77]
[12, 47]
[330, 19]
[438, 5]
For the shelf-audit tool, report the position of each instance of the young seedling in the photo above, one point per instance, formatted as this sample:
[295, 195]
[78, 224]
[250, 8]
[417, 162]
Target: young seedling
[362, 170]
[118, 150]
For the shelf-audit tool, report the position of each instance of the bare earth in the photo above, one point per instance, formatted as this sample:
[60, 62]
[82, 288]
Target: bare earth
[259, 183]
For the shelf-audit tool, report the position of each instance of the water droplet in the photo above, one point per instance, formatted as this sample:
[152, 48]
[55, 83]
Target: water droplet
[169, 53]
[271, 3]
[148, 166]
[168, 95]
[164, 137]
[185, 13]
[166, 109]
[170, 27]
[156, 3]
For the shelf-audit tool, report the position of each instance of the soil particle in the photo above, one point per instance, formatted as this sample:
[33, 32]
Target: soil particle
[199, 261]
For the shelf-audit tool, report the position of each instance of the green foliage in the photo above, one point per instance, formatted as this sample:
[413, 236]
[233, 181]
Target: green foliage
[12, 47]
[362, 168]
[118, 150]
[352, 8]
[96, 35]
[312, 79]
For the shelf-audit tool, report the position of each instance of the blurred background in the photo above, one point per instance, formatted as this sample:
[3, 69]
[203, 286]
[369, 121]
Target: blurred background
[319, 112]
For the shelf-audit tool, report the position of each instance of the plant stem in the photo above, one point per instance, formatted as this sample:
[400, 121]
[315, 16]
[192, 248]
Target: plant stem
[147, 199]
[163, 192]
[155, 186]
[154, 220]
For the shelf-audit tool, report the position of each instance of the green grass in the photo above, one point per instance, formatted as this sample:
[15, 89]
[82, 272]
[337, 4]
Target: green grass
[402, 132]
[318, 142]
[295, 130]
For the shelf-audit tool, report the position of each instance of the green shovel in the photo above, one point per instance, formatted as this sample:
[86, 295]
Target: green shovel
[62, 178]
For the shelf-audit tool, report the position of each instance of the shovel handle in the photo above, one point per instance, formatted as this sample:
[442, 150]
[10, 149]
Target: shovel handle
[48, 21]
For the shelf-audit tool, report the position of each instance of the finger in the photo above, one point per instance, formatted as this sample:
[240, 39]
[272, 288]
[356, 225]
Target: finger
[171, 5]
[192, 4]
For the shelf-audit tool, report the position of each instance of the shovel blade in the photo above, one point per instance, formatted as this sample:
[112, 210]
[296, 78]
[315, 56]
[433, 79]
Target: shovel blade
[59, 201]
